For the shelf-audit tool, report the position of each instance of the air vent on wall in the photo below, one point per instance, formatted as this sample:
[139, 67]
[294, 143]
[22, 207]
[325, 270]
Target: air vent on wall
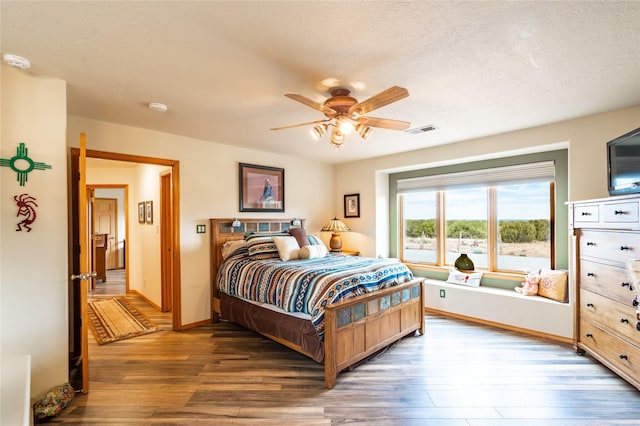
[421, 129]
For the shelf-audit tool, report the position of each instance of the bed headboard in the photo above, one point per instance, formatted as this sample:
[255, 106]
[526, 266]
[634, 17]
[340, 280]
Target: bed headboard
[223, 231]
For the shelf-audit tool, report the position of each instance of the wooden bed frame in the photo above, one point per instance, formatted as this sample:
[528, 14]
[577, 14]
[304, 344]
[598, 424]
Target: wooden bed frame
[355, 328]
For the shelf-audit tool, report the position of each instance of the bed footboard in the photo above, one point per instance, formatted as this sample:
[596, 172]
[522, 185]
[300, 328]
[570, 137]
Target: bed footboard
[359, 327]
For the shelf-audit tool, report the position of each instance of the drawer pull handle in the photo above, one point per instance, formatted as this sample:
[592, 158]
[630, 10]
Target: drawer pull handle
[589, 335]
[590, 243]
[589, 305]
[623, 356]
[585, 214]
[635, 303]
[625, 285]
[624, 321]
[591, 274]
[623, 248]
[617, 212]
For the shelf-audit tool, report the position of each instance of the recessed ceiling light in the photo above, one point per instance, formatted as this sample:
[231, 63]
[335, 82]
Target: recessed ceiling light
[16, 61]
[156, 106]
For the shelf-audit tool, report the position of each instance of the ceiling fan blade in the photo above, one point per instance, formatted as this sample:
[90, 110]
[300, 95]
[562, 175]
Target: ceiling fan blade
[383, 98]
[300, 124]
[310, 103]
[384, 123]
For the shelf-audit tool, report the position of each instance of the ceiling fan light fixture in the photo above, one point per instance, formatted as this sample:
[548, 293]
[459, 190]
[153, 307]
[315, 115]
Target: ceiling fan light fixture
[345, 124]
[318, 131]
[364, 131]
[337, 138]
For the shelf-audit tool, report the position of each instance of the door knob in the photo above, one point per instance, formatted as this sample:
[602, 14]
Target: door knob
[84, 277]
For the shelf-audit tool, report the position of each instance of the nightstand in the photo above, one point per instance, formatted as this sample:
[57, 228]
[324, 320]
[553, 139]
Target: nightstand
[347, 252]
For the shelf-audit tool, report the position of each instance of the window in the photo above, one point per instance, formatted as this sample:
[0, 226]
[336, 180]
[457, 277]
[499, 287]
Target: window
[502, 218]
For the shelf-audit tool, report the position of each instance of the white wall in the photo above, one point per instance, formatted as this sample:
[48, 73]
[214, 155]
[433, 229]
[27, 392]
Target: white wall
[586, 138]
[209, 188]
[33, 265]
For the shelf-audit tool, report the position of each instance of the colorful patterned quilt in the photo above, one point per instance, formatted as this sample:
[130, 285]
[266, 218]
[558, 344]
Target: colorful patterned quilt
[307, 286]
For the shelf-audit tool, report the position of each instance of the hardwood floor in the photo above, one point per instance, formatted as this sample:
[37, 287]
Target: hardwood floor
[459, 373]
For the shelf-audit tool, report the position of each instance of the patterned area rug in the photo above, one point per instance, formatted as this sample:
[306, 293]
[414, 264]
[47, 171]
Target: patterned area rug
[116, 319]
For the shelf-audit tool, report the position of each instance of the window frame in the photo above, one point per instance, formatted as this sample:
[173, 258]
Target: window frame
[559, 251]
[492, 231]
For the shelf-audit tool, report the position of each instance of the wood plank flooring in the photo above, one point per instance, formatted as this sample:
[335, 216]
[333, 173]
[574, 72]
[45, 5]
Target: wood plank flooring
[459, 373]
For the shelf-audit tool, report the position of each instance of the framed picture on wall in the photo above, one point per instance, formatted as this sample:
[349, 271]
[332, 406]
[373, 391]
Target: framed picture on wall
[149, 211]
[352, 205]
[141, 213]
[261, 188]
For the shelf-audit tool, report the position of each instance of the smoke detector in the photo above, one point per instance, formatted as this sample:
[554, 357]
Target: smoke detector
[156, 106]
[16, 61]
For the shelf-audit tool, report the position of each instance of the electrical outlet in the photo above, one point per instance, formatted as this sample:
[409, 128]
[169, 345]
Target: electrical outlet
[200, 229]
[442, 294]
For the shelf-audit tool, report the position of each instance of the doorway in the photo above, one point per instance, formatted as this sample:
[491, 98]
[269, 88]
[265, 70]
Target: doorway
[171, 243]
[108, 221]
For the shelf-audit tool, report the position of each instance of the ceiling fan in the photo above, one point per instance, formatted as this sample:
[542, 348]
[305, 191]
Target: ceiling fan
[346, 114]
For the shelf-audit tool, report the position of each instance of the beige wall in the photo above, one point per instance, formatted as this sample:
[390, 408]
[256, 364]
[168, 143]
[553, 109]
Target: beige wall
[209, 188]
[585, 138]
[33, 265]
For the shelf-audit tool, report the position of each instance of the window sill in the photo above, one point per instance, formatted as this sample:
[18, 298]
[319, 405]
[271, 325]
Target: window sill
[507, 276]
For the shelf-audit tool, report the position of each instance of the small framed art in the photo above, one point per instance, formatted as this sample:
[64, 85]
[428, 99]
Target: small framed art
[352, 205]
[149, 211]
[141, 212]
[261, 188]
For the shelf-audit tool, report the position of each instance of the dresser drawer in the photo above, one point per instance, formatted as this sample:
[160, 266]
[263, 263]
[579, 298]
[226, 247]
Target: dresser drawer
[615, 246]
[626, 212]
[619, 354]
[609, 281]
[609, 315]
[586, 214]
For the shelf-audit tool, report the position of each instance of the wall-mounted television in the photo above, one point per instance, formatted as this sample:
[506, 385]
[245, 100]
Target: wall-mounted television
[623, 161]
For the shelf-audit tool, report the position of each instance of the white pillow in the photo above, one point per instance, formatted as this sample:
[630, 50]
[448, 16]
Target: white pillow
[231, 246]
[288, 247]
[313, 251]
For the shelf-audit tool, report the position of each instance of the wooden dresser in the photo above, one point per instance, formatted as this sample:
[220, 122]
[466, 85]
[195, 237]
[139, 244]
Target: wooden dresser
[606, 235]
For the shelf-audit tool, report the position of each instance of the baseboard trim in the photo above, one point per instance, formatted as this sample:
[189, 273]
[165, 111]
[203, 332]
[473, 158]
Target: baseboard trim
[534, 333]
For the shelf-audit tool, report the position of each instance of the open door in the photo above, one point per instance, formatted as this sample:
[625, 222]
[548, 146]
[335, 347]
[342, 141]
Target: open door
[82, 278]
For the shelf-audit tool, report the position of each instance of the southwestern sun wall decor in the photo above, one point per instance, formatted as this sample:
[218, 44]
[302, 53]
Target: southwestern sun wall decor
[22, 164]
[261, 188]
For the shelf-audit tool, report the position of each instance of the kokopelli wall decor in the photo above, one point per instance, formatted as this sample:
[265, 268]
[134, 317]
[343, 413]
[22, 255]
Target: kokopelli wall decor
[27, 209]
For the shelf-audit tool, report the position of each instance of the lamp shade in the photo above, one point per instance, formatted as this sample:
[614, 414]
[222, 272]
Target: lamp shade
[335, 225]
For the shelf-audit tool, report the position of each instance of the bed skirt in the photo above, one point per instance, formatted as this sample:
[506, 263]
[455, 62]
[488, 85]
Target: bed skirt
[298, 331]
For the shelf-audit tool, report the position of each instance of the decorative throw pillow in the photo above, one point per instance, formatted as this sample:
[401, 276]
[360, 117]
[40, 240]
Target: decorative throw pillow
[553, 285]
[231, 246]
[314, 240]
[53, 402]
[313, 251]
[300, 235]
[261, 246]
[288, 247]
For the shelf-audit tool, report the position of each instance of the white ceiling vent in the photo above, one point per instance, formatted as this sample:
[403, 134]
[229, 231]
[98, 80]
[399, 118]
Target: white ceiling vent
[421, 129]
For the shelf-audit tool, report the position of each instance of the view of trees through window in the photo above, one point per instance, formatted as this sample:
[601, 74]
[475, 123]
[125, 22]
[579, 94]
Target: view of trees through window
[520, 213]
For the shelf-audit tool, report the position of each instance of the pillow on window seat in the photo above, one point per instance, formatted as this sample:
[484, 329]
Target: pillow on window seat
[553, 285]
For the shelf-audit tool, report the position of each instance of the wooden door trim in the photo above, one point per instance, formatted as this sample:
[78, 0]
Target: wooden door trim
[175, 205]
[166, 249]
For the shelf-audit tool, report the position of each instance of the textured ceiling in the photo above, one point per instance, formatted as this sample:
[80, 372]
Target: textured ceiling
[472, 68]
